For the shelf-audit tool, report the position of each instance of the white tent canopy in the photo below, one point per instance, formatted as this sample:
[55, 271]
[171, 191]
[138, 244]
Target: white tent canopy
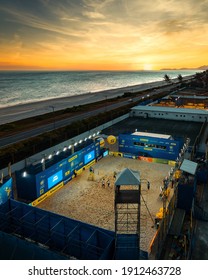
[128, 177]
[189, 166]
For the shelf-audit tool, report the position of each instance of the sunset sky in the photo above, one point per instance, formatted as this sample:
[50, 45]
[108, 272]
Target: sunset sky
[103, 34]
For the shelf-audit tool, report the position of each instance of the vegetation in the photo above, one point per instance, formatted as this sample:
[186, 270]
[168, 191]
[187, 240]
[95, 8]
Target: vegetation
[167, 79]
[201, 79]
[24, 149]
[180, 78]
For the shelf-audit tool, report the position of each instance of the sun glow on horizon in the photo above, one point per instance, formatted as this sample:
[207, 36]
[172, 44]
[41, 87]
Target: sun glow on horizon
[92, 35]
[148, 67]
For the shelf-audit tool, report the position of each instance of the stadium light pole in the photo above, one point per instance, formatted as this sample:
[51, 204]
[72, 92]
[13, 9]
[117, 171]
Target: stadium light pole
[53, 108]
[106, 97]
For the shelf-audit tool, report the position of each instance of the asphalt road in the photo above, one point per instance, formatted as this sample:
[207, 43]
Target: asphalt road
[5, 141]
[26, 110]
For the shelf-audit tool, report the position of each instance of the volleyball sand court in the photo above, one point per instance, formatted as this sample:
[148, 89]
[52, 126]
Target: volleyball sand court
[86, 199]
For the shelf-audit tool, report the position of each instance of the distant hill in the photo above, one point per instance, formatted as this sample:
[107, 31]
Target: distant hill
[204, 67]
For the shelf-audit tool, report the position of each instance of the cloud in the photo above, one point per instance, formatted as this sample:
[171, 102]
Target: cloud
[102, 30]
[94, 15]
[76, 18]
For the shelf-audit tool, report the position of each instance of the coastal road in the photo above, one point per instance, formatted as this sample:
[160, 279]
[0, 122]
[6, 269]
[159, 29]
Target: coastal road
[27, 110]
[5, 141]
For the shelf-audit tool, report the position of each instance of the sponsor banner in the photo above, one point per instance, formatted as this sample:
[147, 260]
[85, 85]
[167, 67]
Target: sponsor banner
[78, 172]
[67, 180]
[153, 147]
[6, 191]
[156, 160]
[89, 157]
[70, 159]
[160, 160]
[148, 149]
[116, 154]
[145, 159]
[55, 179]
[171, 163]
[47, 194]
[100, 157]
[129, 156]
[106, 153]
[89, 164]
[66, 169]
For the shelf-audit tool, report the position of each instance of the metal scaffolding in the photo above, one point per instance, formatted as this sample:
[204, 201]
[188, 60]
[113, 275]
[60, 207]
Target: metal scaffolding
[127, 218]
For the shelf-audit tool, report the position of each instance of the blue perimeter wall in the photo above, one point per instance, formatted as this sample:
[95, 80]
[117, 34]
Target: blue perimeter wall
[33, 185]
[147, 147]
[61, 235]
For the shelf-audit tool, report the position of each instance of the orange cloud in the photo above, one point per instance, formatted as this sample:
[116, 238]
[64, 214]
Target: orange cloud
[107, 34]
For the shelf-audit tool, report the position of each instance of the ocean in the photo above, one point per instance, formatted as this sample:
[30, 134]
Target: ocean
[19, 87]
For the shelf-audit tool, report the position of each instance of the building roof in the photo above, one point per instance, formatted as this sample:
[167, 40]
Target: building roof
[156, 135]
[170, 110]
[128, 177]
[190, 96]
[189, 166]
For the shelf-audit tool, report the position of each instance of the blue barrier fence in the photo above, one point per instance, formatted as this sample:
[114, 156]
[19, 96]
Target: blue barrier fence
[13, 248]
[61, 237]
[59, 234]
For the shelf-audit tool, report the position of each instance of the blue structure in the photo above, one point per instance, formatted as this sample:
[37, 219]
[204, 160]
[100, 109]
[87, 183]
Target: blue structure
[186, 192]
[6, 190]
[127, 248]
[150, 145]
[59, 235]
[14, 248]
[36, 180]
[46, 235]
[27, 232]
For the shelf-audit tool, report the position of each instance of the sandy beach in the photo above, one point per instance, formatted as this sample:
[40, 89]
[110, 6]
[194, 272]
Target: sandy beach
[25, 110]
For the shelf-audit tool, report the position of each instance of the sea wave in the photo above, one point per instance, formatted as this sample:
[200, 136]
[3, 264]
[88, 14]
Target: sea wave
[25, 87]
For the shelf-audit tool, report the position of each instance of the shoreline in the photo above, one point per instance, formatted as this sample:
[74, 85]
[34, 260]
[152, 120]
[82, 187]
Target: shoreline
[113, 92]
[20, 111]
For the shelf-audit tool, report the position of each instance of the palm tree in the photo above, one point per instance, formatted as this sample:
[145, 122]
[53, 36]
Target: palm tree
[205, 78]
[167, 79]
[180, 78]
